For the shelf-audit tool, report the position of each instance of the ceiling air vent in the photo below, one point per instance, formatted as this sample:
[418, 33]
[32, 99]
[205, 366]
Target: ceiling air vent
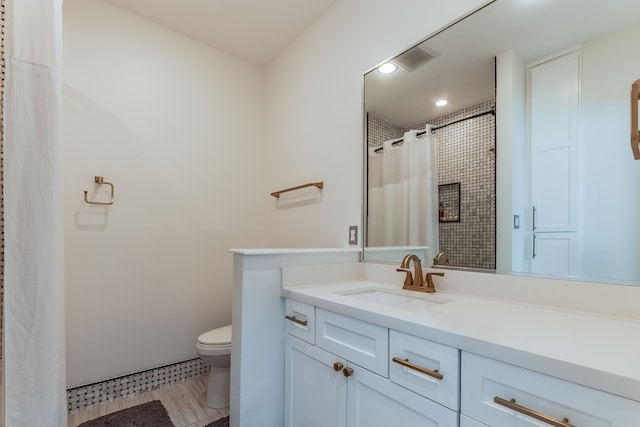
[414, 58]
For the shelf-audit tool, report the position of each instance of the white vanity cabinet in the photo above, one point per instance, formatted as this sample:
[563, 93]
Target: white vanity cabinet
[362, 343]
[353, 373]
[315, 387]
[343, 380]
[469, 422]
[301, 320]
[373, 401]
[502, 395]
[425, 367]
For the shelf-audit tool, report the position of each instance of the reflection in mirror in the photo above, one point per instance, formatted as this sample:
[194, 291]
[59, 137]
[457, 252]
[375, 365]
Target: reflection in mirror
[546, 185]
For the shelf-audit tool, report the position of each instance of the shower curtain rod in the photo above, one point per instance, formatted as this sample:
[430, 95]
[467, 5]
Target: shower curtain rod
[435, 128]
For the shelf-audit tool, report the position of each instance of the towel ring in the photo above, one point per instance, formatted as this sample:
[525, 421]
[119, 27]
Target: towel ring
[100, 180]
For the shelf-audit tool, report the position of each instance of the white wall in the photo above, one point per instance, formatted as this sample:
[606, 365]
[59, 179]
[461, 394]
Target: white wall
[178, 128]
[511, 192]
[315, 114]
[610, 175]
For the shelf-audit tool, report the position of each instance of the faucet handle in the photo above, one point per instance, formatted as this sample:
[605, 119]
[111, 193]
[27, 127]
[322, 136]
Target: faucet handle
[408, 281]
[431, 288]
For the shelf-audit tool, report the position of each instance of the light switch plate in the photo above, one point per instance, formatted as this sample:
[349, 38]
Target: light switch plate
[353, 234]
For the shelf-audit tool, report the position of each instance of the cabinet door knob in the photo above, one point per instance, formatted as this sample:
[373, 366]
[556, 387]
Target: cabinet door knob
[347, 372]
[337, 366]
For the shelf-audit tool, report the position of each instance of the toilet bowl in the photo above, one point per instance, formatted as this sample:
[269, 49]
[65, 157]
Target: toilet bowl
[214, 348]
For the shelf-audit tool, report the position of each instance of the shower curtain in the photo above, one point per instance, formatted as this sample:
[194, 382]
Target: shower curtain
[34, 362]
[403, 193]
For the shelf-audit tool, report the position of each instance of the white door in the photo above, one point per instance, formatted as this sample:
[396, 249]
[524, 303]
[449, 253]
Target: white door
[554, 113]
[315, 389]
[554, 253]
[374, 401]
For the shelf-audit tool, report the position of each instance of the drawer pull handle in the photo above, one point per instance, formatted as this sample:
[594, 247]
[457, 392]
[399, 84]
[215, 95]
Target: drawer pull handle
[405, 362]
[298, 321]
[347, 372]
[337, 366]
[511, 404]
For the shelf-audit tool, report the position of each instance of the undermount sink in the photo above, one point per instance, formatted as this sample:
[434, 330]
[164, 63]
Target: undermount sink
[410, 300]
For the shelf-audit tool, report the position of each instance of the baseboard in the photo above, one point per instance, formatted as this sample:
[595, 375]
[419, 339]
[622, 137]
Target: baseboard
[87, 396]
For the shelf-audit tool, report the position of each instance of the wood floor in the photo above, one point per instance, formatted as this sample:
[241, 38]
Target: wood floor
[186, 404]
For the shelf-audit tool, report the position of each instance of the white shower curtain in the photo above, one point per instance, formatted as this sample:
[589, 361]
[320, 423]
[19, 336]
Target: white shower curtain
[403, 193]
[34, 365]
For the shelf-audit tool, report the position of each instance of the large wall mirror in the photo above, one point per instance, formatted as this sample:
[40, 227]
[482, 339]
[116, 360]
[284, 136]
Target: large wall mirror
[527, 167]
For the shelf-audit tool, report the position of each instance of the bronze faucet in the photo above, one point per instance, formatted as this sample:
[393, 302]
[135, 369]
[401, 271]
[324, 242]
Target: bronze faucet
[431, 288]
[438, 260]
[411, 281]
[415, 282]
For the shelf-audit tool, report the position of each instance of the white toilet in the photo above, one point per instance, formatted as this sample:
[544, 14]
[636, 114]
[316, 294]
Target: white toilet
[214, 348]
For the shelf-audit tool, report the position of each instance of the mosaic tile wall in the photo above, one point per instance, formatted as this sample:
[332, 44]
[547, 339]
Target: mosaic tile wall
[466, 154]
[380, 130]
[108, 391]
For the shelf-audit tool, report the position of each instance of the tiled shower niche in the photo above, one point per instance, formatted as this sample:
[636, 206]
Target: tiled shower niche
[466, 155]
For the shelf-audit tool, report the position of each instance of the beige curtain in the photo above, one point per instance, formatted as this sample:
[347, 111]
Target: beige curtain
[33, 280]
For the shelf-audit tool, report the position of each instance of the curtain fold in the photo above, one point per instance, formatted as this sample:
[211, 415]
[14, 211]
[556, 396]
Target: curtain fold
[34, 287]
[403, 193]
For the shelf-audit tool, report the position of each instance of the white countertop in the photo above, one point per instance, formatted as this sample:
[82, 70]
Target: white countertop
[595, 350]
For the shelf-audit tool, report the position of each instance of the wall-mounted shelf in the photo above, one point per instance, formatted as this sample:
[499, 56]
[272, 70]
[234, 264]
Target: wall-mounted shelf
[319, 185]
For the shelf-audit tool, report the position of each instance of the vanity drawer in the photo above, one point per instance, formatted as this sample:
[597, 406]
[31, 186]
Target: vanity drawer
[362, 343]
[425, 367]
[485, 381]
[300, 320]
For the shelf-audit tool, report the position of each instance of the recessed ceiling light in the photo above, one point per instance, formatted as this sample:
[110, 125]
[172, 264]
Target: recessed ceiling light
[441, 103]
[387, 68]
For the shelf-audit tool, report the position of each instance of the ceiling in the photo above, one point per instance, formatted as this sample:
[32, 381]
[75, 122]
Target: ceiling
[462, 70]
[254, 30]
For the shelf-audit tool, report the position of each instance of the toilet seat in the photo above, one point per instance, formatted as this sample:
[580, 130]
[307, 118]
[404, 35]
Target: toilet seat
[215, 342]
